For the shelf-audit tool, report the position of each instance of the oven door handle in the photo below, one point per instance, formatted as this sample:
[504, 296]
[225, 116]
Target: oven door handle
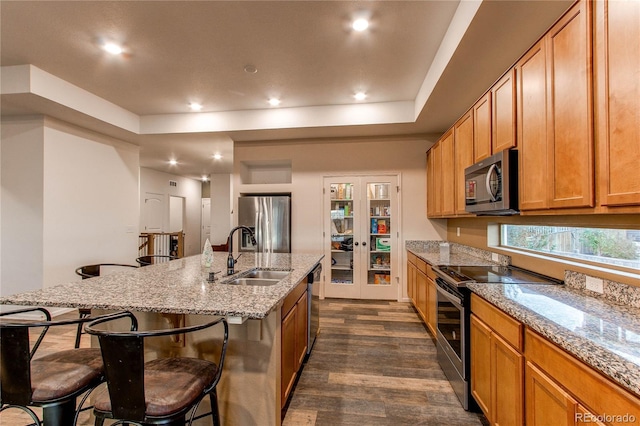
[450, 297]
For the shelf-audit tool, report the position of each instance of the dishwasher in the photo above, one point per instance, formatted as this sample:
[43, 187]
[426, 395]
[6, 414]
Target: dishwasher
[313, 297]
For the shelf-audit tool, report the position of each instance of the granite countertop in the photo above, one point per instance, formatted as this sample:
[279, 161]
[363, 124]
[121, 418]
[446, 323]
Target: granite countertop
[603, 334]
[179, 287]
[460, 255]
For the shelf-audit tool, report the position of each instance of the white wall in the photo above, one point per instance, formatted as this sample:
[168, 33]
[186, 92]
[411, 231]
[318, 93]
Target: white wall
[69, 198]
[221, 206]
[190, 189]
[313, 160]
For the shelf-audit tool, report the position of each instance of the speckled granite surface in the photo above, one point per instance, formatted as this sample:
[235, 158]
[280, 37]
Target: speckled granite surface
[613, 291]
[178, 287]
[603, 334]
[429, 251]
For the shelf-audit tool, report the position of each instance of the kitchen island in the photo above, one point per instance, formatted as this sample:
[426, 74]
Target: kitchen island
[179, 293]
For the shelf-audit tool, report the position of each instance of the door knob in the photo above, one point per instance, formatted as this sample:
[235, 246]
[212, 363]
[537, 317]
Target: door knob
[364, 243]
[356, 243]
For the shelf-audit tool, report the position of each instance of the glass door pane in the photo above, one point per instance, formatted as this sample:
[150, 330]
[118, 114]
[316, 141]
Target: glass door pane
[380, 220]
[342, 216]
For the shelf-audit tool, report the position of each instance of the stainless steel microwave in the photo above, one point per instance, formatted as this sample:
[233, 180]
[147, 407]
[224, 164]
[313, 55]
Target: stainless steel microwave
[491, 185]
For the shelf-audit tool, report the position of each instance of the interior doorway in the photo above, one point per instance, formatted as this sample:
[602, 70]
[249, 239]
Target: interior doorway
[152, 212]
[205, 230]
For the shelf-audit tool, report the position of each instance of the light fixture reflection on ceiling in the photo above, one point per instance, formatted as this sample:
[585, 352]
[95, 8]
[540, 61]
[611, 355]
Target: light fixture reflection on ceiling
[217, 156]
[274, 102]
[113, 48]
[173, 162]
[360, 96]
[360, 24]
[195, 106]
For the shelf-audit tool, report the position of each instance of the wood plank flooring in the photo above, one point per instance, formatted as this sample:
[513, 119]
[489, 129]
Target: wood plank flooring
[373, 364]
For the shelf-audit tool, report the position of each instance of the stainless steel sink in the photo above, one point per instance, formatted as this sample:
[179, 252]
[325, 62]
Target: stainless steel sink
[266, 274]
[253, 281]
[258, 277]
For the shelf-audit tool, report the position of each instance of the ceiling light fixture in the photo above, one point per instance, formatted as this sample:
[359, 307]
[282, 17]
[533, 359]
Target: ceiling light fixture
[204, 178]
[360, 96]
[274, 102]
[113, 48]
[195, 106]
[250, 69]
[173, 162]
[217, 156]
[360, 24]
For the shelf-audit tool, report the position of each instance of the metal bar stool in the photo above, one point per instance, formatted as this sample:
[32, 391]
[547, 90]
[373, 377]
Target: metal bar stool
[162, 391]
[53, 381]
[90, 271]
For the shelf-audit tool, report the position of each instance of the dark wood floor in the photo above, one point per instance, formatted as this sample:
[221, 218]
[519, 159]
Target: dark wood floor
[373, 364]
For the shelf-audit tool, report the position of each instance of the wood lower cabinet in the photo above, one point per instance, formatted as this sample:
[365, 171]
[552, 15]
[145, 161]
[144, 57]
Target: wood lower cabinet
[497, 364]
[294, 337]
[422, 291]
[547, 403]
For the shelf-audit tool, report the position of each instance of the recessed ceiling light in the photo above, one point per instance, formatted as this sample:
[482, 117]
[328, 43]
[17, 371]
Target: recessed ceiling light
[173, 162]
[217, 156]
[204, 178]
[113, 48]
[250, 69]
[360, 24]
[274, 101]
[360, 96]
[195, 106]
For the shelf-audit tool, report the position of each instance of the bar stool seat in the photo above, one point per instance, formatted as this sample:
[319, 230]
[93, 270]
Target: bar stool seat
[52, 381]
[163, 391]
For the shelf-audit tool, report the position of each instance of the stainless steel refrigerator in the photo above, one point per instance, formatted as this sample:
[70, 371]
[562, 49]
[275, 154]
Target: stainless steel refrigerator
[269, 217]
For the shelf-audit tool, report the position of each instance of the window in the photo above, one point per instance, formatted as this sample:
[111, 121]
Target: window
[619, 247]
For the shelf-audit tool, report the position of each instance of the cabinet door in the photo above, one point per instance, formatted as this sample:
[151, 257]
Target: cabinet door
[430, 185]
[546, 402]
[481, 366]
[412, 273]
[585, 417]
[302, 310]
[432, 306]
[482, 128]
[618, 101]
[421, 296]
[288, 355]
[447, 171]
[532, 129]
[507, 366]
[503, 105]
[463, 143]
[569, 109]
[436, 153]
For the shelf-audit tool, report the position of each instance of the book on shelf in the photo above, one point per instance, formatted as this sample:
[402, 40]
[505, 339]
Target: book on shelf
[382, 226]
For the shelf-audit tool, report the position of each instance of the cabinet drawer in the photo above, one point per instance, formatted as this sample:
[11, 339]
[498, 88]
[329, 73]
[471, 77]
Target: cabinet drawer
[293, 297]
[411, 258]
[422, 266]
[508, 328]
[590, 387]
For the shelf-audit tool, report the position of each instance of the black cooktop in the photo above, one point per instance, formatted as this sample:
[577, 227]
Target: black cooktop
[493, 275]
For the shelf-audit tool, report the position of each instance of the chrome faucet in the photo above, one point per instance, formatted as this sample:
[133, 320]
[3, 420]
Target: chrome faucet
[231, 262]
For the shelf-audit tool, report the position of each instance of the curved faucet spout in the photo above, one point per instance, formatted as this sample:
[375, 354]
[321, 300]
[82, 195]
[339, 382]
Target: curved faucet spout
[231, 262]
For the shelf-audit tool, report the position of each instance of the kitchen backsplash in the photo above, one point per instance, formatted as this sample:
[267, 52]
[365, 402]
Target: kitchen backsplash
[425, 246]
[613, 291]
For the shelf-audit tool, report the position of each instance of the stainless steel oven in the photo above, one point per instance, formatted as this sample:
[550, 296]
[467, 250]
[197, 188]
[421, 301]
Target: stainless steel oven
[453, 306]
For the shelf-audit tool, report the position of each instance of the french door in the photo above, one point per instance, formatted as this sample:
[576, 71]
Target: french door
[361, 231]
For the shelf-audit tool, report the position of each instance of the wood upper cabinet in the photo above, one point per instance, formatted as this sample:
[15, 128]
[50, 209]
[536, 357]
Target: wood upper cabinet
[463, 147]
[447, 172]
[617, 82]
[482, 128]
[503, 118]
[555, 131]
[532, 128]
[434, 176]
[570, 110]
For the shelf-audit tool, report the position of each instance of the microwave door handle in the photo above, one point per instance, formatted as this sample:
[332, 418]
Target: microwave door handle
[487, 182]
